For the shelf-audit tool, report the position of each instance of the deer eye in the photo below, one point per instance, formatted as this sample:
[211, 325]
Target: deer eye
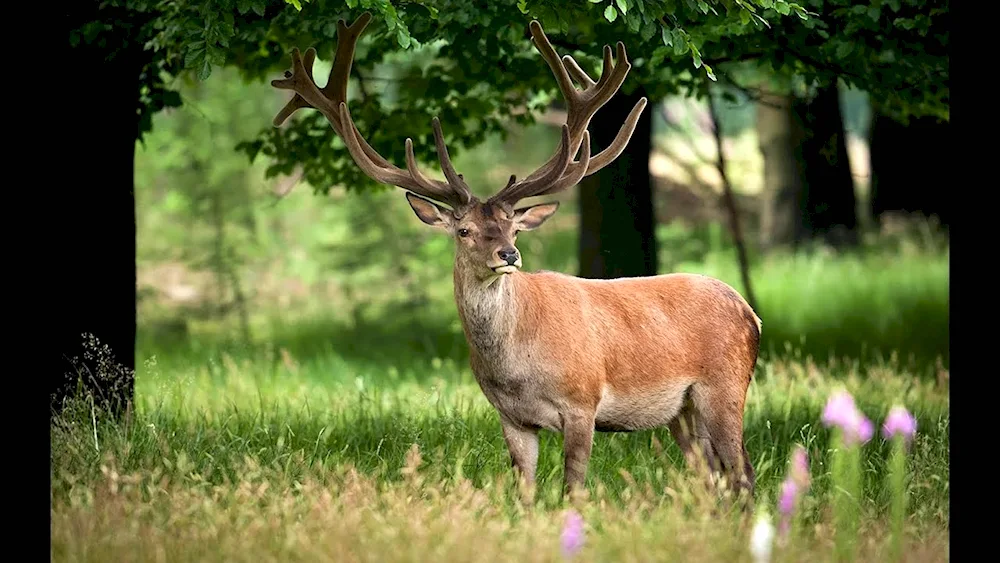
[463, 233]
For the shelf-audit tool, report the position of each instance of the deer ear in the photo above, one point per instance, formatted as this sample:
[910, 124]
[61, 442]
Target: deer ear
[429, 212]
[531, 218]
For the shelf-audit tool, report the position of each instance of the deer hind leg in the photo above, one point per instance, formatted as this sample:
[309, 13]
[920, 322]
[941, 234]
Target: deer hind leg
[721, 410]
[691, 434]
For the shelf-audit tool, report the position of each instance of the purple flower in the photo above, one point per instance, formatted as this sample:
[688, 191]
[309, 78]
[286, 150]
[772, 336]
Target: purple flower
[865, 430]
[900, 422]
[789, 495]
[793, 488]
[572, 534]
[840, 409]
[800, 466]
[841, 412]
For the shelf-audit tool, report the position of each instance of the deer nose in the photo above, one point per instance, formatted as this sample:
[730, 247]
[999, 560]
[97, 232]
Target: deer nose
[508, 255]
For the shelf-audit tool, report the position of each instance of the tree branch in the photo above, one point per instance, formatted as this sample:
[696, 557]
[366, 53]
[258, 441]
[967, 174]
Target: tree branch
[730, 203]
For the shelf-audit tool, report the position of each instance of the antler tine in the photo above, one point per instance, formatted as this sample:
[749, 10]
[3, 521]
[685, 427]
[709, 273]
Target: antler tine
[526, 188]
[578, 73]
[454, 178]
[575, 171]
[581, 107]
[331, 101]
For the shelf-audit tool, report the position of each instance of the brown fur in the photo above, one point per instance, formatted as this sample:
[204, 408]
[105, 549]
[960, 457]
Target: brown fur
[573, 355]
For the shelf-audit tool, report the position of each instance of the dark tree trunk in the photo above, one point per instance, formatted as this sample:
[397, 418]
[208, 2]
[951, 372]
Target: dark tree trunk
[94, 258]
[780, 137]
[617, 236]
[829, 202]
[907, 166]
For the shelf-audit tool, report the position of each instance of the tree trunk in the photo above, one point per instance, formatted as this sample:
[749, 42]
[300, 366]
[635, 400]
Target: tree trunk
[94, 256]
[779, 135]
[830, 205]
[617, 223]
[906, 169]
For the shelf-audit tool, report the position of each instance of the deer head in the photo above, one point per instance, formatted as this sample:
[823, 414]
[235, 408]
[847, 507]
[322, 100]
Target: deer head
[484, 231]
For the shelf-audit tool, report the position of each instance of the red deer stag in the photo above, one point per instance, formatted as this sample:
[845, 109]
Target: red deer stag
[553, 351]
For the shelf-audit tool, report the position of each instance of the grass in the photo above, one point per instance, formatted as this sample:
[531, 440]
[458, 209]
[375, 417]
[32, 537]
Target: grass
[306, 462]
[373, 442]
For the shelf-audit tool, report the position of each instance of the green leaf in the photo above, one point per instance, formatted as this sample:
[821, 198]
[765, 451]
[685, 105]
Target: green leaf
[403, 37]
[634, 21]
[295, 3]
[622, 6]
[648, 30]
[205, 70]
[217, 57]
[243, 6]
[782, 8]
[844, 48]
[703, 6]
[680, 46]
[696, 56]
[595, 1]
[659, 54]
[194, 55]
[522, 5]
[610, 14]
[874, 12]
[744, 17]
[766, 4]
[258, 6]
[711, 73]
[667, 35]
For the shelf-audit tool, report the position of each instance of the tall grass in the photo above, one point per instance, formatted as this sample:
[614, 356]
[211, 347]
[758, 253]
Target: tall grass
[316, 461]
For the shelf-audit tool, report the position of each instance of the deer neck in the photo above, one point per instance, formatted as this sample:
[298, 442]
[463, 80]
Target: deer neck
[488, 310]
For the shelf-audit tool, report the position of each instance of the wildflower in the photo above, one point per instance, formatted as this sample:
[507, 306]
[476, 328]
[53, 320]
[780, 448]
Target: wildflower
[841, 412]
[865, 429]
[789, 495]
[839, 409]
[761, 540]
[899, 422]
[793, 488]
[572, 534]
[800, 466]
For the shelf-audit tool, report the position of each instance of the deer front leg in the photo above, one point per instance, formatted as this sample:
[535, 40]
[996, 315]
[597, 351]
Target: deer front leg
[578, 440]
[522, 443]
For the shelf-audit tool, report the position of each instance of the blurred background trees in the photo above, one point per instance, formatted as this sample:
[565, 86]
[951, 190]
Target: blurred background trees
[833, 115]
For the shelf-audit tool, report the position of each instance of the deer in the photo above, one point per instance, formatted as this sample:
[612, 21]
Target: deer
[551, 351]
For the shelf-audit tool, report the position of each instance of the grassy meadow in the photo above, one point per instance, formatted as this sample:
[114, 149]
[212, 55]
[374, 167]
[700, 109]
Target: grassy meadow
[370, 448]
[334, 417]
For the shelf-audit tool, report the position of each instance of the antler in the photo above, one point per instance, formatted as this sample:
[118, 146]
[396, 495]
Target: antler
[559, 172]
[331, 101]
